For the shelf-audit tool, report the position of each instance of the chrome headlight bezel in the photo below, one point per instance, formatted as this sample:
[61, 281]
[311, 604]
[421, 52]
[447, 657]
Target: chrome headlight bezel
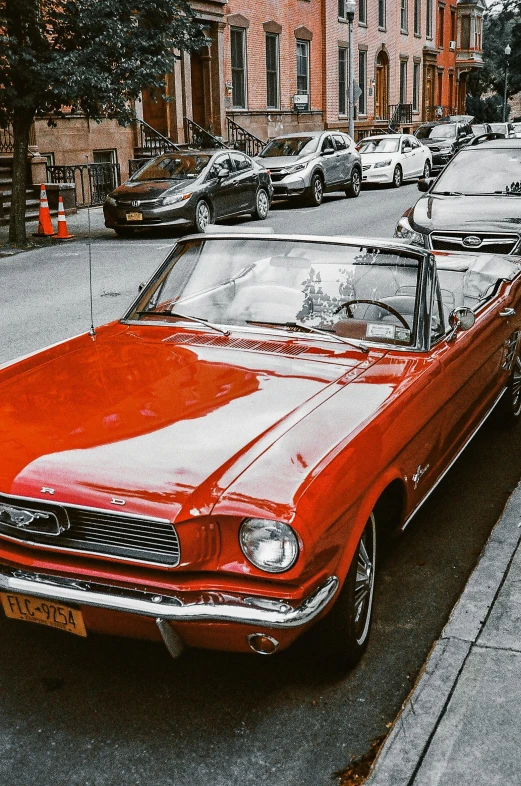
[257, 535]
[109, 200]
[380, 164]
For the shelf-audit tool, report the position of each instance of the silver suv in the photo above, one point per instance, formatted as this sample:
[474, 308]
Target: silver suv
[310, 163]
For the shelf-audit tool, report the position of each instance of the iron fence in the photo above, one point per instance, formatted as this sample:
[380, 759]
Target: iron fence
[6, 140]
[93, 181]
[151, 142]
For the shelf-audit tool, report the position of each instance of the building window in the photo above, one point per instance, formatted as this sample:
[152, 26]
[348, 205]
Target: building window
[416, 88]
[441, 25]
[272, 71]
[428, 19]
[452, 24]
[303, 67]
[105, 156]
[342, 81]
[341, 9]
[381, 14]
[439, 100]
[238, 46]
[362, 82]
[465, 32]
[403, 15]
[451, 91]
[403, 81]
[479, 27]
[417, 21]
[362, 12]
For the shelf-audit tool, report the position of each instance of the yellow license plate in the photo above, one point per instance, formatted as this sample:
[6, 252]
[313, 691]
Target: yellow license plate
[134, 216]
[43, 612]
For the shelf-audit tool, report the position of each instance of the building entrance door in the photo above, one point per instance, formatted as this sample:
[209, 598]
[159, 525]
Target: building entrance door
[381, 109]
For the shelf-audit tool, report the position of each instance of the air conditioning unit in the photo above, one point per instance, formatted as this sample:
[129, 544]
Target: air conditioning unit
[452, 46]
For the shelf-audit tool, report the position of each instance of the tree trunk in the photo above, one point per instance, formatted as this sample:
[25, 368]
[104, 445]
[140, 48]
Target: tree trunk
[21, 126]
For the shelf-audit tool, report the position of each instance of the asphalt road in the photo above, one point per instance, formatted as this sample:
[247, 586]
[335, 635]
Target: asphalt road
[115, 712]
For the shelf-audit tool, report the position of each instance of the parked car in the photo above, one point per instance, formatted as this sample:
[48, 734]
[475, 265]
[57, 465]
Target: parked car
[517, 130]
[394, 158]
[193, 188]
[475, 203]
[444, 139]
[507, 129]
[216, 468]
[311, 163]
[479, 129]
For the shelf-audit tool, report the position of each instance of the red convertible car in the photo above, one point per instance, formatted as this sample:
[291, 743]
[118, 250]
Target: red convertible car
[215, 468]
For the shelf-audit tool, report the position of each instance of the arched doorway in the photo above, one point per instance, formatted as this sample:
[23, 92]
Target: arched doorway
[381, 108]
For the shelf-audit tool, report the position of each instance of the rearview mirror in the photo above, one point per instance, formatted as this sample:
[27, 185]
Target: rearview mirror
[424, 183]
[462, 318]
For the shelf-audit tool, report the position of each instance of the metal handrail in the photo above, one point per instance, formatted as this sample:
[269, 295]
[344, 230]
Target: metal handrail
[241, 139]
[400, 113]
[197, 136]
[152, 141]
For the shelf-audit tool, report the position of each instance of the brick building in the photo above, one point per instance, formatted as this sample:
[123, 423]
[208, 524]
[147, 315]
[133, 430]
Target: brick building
[266, 59]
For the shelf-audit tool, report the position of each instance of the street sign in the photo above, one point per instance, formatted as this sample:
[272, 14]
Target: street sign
[301, 102]
[357, 92]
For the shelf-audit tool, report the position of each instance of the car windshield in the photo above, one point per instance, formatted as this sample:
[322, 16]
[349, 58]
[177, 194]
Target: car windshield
[478, 130]
[379, 145]
[290, 146]
[445, 131]
[349, 292]
[499, 128]
[173, 166]
[482, 171]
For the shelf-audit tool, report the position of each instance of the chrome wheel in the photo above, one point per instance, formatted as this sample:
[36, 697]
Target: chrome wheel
[427, 170]
[202, 216]
[353, 190]
[262, 205]
[316, 194]
[516, 387]
[397, 177]
[344, 632]
[364, 582]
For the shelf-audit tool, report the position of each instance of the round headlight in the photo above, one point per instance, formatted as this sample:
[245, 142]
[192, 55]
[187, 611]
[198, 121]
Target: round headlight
[269, 545]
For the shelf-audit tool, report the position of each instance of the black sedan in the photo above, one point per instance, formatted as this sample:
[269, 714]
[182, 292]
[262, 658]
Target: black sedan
[194, 188]
[474, 205]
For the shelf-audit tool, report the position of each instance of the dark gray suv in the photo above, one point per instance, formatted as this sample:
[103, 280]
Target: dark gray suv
[309, 163]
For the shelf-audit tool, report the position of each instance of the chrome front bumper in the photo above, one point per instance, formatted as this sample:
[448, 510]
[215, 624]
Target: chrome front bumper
[210, 607]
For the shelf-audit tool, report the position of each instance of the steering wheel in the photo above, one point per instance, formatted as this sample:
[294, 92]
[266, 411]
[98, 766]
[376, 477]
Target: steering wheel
[348, 303]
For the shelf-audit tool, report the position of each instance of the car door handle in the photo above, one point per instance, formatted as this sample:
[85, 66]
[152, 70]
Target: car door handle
[508, 312]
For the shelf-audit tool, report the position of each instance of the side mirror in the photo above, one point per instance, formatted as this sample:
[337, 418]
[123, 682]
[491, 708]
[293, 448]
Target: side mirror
[462, 318]
[141, 286]
[222, 173]
[424, 183]
[328, 151]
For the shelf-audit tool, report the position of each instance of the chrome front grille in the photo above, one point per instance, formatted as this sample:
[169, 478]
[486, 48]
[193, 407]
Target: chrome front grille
[276, 176]
[100, 532]
[366, 167]
[489, 242]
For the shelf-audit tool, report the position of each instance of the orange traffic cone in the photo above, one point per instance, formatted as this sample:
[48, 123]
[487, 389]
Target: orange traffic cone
[63, 232]
[44, 219]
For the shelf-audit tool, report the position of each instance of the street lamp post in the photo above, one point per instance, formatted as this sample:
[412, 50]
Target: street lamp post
[508, 52]
[350, 7]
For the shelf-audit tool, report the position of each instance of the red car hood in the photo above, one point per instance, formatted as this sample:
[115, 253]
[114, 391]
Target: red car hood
[129, 416]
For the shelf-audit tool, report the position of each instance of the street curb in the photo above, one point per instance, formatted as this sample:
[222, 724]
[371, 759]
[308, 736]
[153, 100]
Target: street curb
[404, 749]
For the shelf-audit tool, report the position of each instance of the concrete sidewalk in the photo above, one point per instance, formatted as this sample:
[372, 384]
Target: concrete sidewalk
[461, 725]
